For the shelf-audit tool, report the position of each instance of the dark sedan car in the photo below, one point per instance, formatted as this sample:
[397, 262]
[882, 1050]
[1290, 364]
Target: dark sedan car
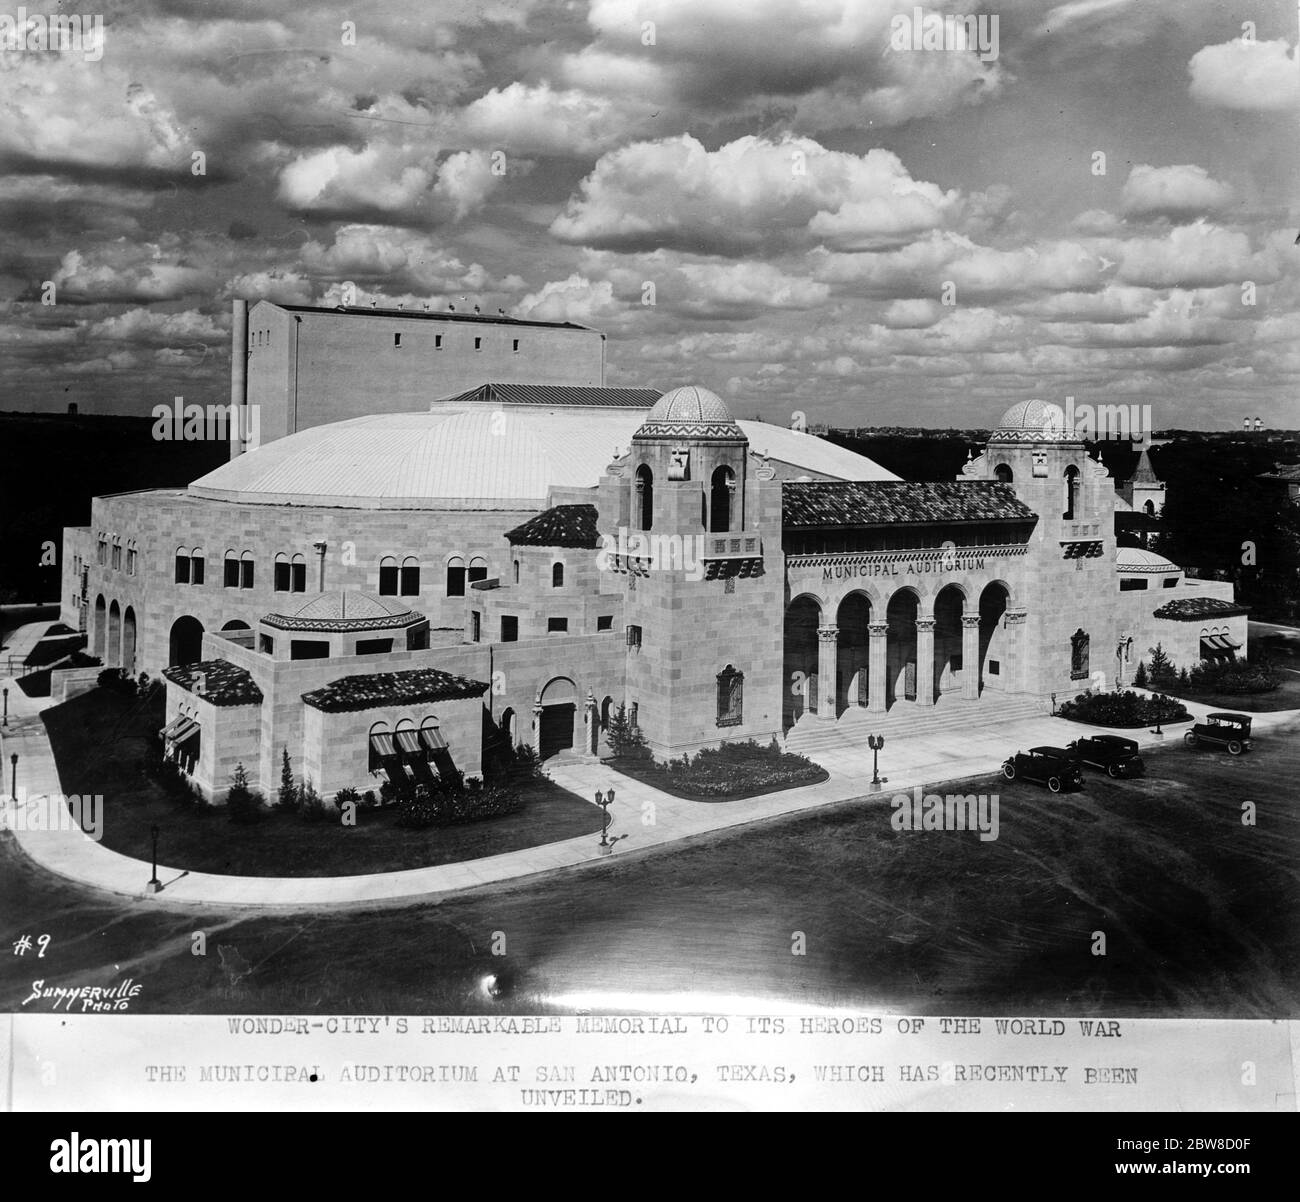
[1114, 754]
[1230, 731]
[1054, 767]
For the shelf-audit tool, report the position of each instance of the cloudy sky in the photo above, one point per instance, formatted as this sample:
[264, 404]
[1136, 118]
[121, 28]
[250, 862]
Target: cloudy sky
[826, 218]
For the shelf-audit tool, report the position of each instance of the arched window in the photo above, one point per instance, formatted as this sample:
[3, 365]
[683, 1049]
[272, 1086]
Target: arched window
[196, 566]
[1071, 491]
[731, 696]
[724, 486]
[1003, 474]
[557, 575]
[117, 552]
[182, 566]
[1150, 508]
[381, 745]
[645, 497]
[231, 576]
[455, 576]
[409, 583]
[478, 569]
[132, 555]
[280, 573]
[516, 571]
[388, 576]
[431, 738]
[298, 574]
[246, 570]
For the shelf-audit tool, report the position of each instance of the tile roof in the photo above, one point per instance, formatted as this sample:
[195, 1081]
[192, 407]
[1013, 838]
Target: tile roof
[881, 503]
[217, 681]
[563, 395]
[346, 610]
[559, 526]
[393, 688]
[1188, 609]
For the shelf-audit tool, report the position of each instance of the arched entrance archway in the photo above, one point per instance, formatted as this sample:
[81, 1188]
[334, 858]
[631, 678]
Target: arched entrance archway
[853, 619]
[185, 646]
[559, 707]
[949, 605]
[900, 647]
[128, 641]
[802, 617]
[101, 628]
[114, 650]
[994, 642]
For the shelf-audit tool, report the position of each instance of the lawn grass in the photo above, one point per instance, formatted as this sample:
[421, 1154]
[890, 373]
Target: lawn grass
[1201, 913]
[99, 738]
[1285, 697]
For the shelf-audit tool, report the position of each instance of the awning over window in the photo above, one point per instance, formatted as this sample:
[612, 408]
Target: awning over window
[1218, 645]
[432, 738]
[408, 741]
[180, 729]
[382, 744]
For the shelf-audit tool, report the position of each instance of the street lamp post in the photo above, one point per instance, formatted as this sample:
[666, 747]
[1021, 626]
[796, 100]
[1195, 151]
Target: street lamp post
[13, 778]
[5, 722]
[875, 742]
[605, 801]
[155, 885]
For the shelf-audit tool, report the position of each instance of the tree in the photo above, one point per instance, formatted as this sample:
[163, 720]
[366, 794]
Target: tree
[310, 803]
[288, 799]
[1140, 676]
[1162, 671]
[625, 740]
[243, 804]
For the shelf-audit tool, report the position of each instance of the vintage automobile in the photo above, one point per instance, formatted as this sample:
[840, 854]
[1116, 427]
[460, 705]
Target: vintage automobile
[1221, 730]
[1054, 767]
[1116, 755]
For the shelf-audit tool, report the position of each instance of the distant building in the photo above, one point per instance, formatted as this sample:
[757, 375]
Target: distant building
[303, 366]
[1287, 477]
[1144, 491]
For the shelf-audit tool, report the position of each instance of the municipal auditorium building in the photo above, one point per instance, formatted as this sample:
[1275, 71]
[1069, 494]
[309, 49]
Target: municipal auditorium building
[384, 594]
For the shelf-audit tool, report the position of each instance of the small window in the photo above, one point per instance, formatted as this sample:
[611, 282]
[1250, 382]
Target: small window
[298, 581]
[196, 568]
[1136, 584]
[265, 644]
[509, 629]
[634, 636]
[397, 340]
[1169, 582]
[557, 575]
[478, 569]
[515, 347]
[182, 568]
[557, 625]
[246, 570]
[388, 577]
[309, 649]
[281, 575]
[605, 622]
[231, 579]
[374, 646]
[437, 342]
[731, 697]
[516, 571]
[409, 581]
[995, 667]
[456, 578]
[475, 626]
[478, 344]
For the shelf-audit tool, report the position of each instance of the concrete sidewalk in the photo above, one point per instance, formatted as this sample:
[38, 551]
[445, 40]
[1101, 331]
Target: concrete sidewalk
[644, 818]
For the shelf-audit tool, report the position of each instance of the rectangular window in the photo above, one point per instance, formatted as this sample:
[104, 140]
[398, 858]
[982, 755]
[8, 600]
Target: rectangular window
[232, 573]
[182, 569]
[196, 569]
[478, 344]
[309, 649]
[516, 346]
[509, 629]
[605, 622]
[265, 644]
[397, 340]
[117, 557]
[995, 667]
[475, 626]
[634, 636]
[1169, 582]
[299, 577]
[437, 342]
[246, 573]
[388, 580]
[455, 581]
[731, 697]
[410, 582]
[374, 646]
[281, 577]
[1133, 585]
[557, 625]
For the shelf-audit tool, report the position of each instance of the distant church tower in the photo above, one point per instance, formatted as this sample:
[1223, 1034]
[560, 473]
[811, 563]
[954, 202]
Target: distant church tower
[1071, 631]
[1144, 492]
[694, 520]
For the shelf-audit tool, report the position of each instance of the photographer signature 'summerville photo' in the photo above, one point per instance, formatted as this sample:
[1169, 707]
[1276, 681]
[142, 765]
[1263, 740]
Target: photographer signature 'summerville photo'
[548, 509]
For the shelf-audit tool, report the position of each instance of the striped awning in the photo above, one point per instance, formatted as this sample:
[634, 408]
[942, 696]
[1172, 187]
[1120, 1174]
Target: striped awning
[1218, 644]
[382, 744]
[180, 729]
[409, 741]
[432, 738]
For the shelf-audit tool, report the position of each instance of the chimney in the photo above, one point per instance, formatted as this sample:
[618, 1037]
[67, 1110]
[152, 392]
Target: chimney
[238, 376]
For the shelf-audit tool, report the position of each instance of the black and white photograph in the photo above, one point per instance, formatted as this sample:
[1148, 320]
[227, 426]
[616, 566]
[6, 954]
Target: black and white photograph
[631, 555]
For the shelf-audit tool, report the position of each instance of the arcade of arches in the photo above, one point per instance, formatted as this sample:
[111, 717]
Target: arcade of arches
[864, 652]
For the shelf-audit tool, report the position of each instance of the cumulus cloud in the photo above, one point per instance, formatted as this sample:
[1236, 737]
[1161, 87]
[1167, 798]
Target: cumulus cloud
[576, 299]
[1179, 192]
[145, 325]
[1248, 76]
[127, 271]
[545, 120]
[750, 193]
[1191, 256]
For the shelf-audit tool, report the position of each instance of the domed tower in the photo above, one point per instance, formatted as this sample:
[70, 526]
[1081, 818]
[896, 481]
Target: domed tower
[694, 523]
[1072, 634]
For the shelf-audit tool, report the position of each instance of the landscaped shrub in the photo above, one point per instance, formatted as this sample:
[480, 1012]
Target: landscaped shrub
[625, 740]
[243, 804]
[732, 769]
[116, 681]
[1234, 676]
[311, 806]
[471, 802]
[1140, 676]
[1162, 672]
[288, 797]
[1123, 709]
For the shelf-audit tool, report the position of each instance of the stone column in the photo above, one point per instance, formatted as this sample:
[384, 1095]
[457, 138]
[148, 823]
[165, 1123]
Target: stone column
[925, 661]
[593, 723]
[828, 654]
[970, 656]
[876, 652]
[536, 739]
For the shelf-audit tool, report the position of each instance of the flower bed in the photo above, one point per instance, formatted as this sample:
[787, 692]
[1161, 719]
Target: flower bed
[1126, 709]
[727, 773]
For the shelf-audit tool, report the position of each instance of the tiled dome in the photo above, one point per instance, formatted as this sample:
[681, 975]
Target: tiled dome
[345, 611]
[690, 403]
[1034, 421]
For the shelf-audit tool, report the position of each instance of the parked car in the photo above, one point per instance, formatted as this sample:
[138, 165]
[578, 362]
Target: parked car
[1221, 730]
[1114, 754]
[1054, 767]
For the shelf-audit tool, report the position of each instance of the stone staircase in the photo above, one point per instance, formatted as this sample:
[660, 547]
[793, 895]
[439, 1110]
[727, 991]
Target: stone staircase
[951, 715]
